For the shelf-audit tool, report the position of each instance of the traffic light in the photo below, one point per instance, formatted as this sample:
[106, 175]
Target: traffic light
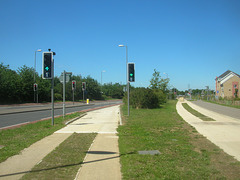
[73, 85]
[131, 72]
[47, 65]
[35, 86]
[83, 86]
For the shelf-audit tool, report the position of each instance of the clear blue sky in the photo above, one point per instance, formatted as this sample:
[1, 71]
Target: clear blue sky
[192, 41]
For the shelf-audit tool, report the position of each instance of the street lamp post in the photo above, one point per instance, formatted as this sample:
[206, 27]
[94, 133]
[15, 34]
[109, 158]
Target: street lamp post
[39, 50]
[127, 82]
[101, 79]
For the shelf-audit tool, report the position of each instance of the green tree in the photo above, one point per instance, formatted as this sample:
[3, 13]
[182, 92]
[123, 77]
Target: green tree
[9, 85]
[113, 90]
[93, 90]
[27, 81]
[157, 82]
[159, 86]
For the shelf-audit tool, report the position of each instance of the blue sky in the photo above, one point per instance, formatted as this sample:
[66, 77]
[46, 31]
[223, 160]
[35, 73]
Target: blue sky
[192, 41]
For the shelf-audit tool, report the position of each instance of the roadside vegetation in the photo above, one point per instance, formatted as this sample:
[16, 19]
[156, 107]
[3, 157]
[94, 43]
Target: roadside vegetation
[185, 154]
[152, 97]
[65, 161]
[235, 103]
[196, 113]
[17, 87]
[15, 140]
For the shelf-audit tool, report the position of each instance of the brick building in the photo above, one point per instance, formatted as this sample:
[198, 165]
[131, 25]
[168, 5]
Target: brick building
[227, 85]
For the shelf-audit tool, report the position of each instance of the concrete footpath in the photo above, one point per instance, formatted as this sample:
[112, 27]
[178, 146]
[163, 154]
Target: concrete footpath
[101, 161]
[224, 131]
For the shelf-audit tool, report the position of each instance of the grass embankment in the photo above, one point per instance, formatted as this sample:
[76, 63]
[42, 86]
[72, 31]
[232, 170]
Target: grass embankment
[15, 140]
[196, 113]
[65, 160]
[185, 154]
[224, 103]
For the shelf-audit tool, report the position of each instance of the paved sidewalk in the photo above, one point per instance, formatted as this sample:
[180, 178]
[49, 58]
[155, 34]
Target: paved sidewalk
[17, 166]
[224, 132]
[102, 160]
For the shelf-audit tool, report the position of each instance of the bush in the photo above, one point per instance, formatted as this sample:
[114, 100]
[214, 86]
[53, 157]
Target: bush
[57, 96]
[162, 98]
[146, 98]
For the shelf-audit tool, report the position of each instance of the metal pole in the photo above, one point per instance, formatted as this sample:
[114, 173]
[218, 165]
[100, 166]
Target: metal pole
[127, 82]
[73, 95]
[64, 83]
[83, 95]
[128, 99]
[34, 76]
[37, 94]
[101, 82]
[52, 92]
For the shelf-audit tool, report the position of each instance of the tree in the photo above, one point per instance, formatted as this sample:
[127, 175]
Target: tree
[27, 81]
[9, 85]
[157, 82]
[93, 89]
[113, 90]
[160, 86]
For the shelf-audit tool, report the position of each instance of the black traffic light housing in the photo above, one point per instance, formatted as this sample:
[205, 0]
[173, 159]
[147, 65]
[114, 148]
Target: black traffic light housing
[83, 86]
[73, 85]
[47, 65]
[131, 72]
[35, 87]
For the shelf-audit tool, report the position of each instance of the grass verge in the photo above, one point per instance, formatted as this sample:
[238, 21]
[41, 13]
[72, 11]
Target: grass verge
[196, 113]
[223, 104]
[15, 140]
[185, 154]
[65, 160]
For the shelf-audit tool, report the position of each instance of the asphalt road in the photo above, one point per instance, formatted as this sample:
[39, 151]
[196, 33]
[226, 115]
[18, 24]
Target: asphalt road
[20, 117]
[228, 111]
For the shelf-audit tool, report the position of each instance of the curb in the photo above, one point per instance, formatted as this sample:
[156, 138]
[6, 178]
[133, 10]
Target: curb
[74, 119]
[44, 108]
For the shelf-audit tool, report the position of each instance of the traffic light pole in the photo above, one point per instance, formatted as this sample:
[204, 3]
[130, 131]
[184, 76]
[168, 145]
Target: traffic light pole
[64, 84]
[37, 95]
[83, 95]
[73, 96]
[48, 73]
[127, 82]
[128, 100]
[52, 92]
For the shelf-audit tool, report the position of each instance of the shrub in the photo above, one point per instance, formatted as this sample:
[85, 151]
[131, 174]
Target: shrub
[146, 98]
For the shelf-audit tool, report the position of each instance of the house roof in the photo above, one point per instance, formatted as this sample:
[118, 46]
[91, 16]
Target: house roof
[226, 73]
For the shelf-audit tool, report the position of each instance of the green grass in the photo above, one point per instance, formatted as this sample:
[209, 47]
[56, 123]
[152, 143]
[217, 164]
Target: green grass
[196, 113]
[185, 154]
[15, 140]
[65, 161]
[222, 103]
